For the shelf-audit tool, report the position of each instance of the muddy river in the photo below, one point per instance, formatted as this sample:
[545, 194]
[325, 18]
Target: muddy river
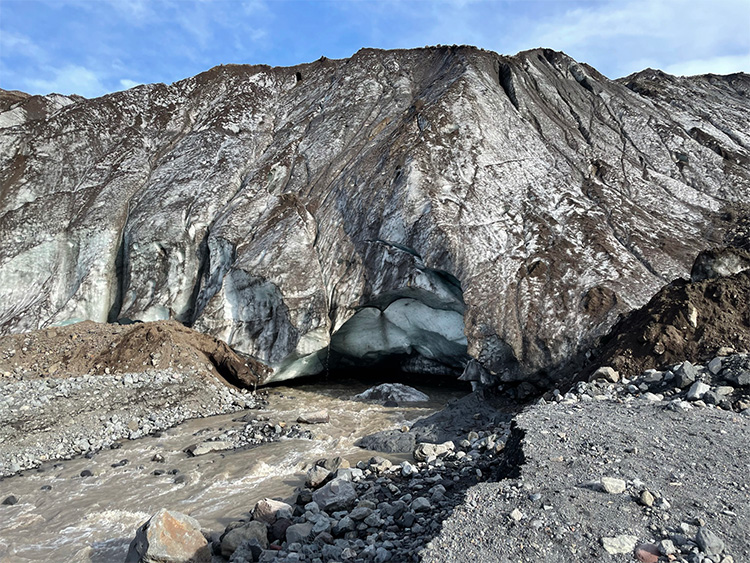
[61, 516]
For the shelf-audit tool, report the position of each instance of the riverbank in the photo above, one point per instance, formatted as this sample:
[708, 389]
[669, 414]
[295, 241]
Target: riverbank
[57, 418]
[653, 468]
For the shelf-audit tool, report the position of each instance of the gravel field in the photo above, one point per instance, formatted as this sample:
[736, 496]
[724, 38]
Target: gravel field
[57, 418]
[601, 479]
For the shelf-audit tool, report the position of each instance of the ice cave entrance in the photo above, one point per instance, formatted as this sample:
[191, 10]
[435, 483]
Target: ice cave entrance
[405, 334]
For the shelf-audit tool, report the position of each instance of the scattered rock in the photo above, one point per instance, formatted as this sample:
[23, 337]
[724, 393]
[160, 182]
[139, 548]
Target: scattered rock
[299, 532]
[709, 542]
[317, 417]
[646, 498]
[619, 544]
[607, 373]
[268, 510]
[339, 494]
[425, 450]
[613, 486]
[232, 538]
[647, 553]
[685, 375]
[10, 500]
[207, 447]
[317, 476]
[697, 391]
[516, 515]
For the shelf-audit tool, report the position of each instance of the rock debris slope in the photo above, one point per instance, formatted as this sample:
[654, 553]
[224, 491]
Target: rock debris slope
[437, 205]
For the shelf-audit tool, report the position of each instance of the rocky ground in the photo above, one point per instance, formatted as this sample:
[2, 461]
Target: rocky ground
[57, 418]
[653, 467]
[77, 389]
[614, 471]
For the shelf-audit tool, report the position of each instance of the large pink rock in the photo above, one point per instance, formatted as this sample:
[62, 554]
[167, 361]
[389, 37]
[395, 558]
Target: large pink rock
[169, 537]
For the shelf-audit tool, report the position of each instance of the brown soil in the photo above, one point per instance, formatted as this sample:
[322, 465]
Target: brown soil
[683, 321]
[96, 348]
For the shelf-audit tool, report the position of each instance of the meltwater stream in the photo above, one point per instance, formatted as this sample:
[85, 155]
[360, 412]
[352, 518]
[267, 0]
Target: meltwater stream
[94, 518]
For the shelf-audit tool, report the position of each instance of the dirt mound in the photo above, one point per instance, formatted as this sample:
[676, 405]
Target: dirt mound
[683, 321]
[95, 348]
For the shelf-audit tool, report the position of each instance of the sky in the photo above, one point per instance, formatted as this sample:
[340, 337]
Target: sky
[92, 47]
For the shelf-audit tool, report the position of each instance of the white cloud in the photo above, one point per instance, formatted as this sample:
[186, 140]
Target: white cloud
[70, 79]
[717, 65]
[669, 33]
[126, 83]
[19, 45]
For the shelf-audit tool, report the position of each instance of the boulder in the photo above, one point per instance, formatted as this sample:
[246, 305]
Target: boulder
[685, 375]
[388, 441]
[339, 494]
[232, 539]
[317, 417]
[395, 392]
[268, 510]
[424, 451]
[607, 373]
[207, 447]
[317, 476]
[299, 532]
[169, 537]
[697, 391]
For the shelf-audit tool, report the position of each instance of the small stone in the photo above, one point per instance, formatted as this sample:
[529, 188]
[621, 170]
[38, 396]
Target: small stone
[623, 543]
[692, 314]
[607, 373]
[420, 504]
[517, 515]
[646, 498]
[317, 476]
[697, 390]
[714, 366]
[86, 473]
[709, 542]
[10, 500]
[407, 469]
[425, 450]
[613, 486]
[685, 375]
[666, 547]
[647, 553]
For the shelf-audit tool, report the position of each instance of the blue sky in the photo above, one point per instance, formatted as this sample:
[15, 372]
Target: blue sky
[91, 47]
